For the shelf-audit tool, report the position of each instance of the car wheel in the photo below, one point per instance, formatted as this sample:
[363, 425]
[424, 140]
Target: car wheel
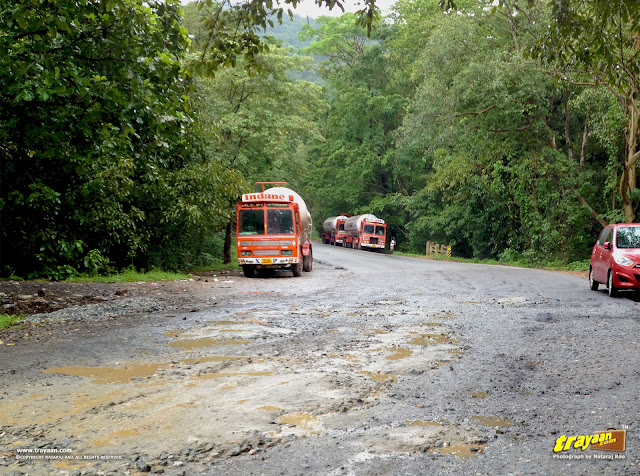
[249, 271]
[612, 289]
[593, 284]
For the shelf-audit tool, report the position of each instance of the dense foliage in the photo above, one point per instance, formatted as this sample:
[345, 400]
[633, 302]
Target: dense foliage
[102, 160]
[128, 128]
[444, 125]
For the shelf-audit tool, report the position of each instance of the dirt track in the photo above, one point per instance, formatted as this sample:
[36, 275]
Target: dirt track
[370, 364]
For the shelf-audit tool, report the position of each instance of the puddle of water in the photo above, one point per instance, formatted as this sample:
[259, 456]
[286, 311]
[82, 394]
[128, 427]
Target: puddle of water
[444, 317]
[422, 423]
[372, 332]
[431, 339]
[269, 408]
[109, 374]
[492, 421]
[215, 375]
[343, 356]
[188, 344]
[301, 420]
[213, 358]
[36, 395]
[400, 353]
[431, 324]
[479, 394]
[380, 377]
[173, 333]
[461, 450]
[115, 434]
[333, 330]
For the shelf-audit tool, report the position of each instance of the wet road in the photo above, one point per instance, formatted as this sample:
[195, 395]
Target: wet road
[371, 364]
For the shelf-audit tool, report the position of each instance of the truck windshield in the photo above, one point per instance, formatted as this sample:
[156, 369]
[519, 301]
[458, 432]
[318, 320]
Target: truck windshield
[368, 229]
[629, 237]
[380, 230]
[280, 222]
[251, 222]
[341, 227]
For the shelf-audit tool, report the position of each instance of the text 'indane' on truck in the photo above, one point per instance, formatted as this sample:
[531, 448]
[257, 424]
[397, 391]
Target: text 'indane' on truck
[273, 232]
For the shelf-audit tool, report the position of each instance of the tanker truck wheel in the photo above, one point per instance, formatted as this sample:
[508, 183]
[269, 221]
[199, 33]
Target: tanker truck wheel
[297, 269]
[307, 262]
[249, 271]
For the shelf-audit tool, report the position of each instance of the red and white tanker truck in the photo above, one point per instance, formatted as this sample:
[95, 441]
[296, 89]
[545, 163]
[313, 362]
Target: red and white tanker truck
[365, 232]
[274, 230]
[333, 230]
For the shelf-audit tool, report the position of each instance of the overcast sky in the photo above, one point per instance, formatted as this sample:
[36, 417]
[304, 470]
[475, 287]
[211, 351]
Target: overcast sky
[309, 8]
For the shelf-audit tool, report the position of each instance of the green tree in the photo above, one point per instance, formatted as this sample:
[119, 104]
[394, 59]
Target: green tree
[599, 40]
[95, 134]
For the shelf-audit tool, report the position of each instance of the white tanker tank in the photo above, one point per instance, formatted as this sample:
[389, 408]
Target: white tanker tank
[305, 216]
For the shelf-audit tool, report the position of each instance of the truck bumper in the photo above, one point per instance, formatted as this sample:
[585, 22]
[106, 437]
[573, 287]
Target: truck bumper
[268, 261]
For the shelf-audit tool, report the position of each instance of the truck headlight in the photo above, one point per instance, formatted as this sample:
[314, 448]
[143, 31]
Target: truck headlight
[287, 252]
[245, 253]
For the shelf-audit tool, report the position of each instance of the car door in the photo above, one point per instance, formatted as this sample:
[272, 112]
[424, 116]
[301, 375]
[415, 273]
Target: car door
[601, 259]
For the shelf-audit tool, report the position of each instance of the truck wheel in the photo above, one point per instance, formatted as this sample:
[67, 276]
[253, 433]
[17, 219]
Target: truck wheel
[297, 269]
[249, 271]
[307, 262]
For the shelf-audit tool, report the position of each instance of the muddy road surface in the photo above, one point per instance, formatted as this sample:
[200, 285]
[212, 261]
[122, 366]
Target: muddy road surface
[369, 365]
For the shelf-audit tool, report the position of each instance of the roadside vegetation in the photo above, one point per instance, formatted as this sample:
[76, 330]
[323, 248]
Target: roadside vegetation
[7, 320]
[128, 129]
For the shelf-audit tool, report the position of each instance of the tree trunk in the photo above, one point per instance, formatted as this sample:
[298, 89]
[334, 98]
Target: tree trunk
[585, 136]
[227, 242]
[567, 130]
[629, 176]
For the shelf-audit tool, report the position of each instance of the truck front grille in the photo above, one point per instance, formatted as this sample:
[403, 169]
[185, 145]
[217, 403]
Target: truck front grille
[266, 243]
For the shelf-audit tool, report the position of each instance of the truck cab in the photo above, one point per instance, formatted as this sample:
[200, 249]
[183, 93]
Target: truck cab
[272, 233]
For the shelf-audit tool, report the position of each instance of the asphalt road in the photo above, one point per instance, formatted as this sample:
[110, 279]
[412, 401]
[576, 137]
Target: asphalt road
[371, 364]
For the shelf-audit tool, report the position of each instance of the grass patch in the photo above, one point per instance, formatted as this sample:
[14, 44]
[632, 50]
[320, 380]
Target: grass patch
[8, 320]
[215, 267]
[132, 276]
[556, 265]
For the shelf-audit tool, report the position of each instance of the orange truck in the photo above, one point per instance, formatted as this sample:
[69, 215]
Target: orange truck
[333, 230]
[273, 232]
[366, 232]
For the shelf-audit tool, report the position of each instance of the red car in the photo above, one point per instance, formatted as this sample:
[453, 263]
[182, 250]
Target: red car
[615, 259]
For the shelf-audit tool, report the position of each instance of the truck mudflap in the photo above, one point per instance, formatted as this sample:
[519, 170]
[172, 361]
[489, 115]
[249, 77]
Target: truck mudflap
[306, 248]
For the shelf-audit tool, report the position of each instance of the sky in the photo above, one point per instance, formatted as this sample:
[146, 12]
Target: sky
[309, 8]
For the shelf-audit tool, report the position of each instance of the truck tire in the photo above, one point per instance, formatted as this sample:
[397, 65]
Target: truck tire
[307, 262]
[248, 270]
[297, 269]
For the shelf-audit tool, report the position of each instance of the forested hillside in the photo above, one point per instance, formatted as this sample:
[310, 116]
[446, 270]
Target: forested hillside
[128, 129]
